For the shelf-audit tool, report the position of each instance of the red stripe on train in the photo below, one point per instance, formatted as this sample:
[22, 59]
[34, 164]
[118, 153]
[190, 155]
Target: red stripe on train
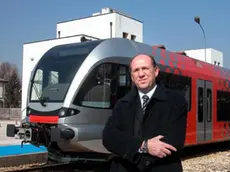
[44, 119]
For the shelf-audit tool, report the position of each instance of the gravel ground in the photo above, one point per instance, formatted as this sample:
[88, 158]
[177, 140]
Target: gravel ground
[26, 166]
[215, 162]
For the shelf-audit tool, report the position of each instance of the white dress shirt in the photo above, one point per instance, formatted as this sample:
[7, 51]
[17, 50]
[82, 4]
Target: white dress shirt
[149, 94]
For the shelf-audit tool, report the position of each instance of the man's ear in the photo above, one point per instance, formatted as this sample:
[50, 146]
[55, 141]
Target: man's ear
[156, 71]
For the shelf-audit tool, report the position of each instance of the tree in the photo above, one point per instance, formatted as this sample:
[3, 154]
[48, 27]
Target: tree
[6, 70]
[9, 72]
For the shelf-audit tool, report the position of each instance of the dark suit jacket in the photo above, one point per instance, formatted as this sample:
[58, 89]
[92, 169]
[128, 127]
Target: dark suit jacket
[166, 114]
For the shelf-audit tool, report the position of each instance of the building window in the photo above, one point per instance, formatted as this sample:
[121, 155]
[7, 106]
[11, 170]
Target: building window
[133, 37]
[125, 35]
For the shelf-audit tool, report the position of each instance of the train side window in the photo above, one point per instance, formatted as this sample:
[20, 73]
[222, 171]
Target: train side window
[179, 84]
[122, 76]
[223, 106]
[124, 82]
[96, 89]
[200, 104]
[209, 105]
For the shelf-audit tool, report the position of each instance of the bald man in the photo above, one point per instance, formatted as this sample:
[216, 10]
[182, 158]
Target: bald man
[147, 128]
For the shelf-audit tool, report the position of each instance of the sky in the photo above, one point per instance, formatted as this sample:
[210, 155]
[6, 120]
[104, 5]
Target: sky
[168, 22]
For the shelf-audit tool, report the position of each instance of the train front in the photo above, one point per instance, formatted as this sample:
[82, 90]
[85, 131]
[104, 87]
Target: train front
[49, 118]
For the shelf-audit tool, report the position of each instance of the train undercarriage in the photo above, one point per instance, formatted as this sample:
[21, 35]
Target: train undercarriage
[49, 136]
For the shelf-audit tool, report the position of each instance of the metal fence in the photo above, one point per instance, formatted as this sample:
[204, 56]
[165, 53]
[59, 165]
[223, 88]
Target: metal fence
[10, 113]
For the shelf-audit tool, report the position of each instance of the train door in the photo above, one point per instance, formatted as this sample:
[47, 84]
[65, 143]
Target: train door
[204, 110]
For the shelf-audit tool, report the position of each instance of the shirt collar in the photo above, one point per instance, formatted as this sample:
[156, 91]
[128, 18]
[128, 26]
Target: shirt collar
[149, 94]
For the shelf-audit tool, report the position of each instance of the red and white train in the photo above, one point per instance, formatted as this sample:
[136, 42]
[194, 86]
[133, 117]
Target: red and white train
[77, 85]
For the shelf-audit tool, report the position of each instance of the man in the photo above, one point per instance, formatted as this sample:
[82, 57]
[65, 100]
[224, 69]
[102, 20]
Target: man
[147, 128]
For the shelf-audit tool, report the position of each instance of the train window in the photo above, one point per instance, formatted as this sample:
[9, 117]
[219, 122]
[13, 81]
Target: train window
[53, 77]
[178, 83]
[104, 86]
[124, 84]
[200, 104]
[122, 76]
[223, 106]
[209, 105]
[38, 82]
[96, 89]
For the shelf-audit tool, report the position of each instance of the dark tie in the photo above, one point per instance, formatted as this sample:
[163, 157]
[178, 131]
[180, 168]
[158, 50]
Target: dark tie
[145, 102]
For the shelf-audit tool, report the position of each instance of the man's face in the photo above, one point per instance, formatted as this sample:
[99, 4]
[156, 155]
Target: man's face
[143, 73]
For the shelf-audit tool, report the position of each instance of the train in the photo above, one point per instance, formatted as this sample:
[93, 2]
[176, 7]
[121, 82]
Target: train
[74, 87]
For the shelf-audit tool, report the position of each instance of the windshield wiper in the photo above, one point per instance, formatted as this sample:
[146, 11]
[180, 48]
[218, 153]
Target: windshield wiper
[41, 99]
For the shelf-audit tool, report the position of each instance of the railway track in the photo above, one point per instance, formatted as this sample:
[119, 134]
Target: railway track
[188, 153]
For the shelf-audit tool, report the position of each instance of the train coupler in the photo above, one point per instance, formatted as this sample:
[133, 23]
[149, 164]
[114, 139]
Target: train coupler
[24, 141]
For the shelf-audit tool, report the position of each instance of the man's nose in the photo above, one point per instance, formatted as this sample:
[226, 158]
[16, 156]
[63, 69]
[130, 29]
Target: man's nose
[141, 73]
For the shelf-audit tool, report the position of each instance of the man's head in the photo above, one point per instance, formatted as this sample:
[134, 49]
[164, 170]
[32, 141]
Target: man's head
[144, 72]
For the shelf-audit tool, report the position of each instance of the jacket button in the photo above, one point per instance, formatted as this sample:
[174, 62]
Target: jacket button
[147, 163]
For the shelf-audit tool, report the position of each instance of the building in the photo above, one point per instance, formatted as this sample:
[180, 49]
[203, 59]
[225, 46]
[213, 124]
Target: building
[213, 56]
[2, 92]
[108, 23]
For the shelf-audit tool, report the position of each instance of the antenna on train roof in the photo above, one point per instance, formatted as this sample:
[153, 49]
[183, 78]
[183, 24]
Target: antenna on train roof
[181, 53]
[83, 39]
[161, 46]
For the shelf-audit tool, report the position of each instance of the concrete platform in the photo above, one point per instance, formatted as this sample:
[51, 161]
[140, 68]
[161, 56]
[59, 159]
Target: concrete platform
[14, 155]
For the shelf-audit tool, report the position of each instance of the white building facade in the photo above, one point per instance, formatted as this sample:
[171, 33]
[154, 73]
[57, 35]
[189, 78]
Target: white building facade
[212, 56]
[108, 23]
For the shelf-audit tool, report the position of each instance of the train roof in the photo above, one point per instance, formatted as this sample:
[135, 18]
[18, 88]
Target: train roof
[121, 47]
[176, 60]
[182, 61]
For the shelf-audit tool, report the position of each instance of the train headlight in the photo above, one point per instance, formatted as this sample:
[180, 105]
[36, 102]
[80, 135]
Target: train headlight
[71, 112]
[68, 112]
[62, 113]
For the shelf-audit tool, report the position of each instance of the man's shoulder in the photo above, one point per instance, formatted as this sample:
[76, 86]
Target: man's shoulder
[175, 97]
[170, 95]
[127, 97]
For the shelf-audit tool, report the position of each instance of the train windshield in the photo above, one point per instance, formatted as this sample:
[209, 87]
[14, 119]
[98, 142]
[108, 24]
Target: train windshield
[55, 72]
